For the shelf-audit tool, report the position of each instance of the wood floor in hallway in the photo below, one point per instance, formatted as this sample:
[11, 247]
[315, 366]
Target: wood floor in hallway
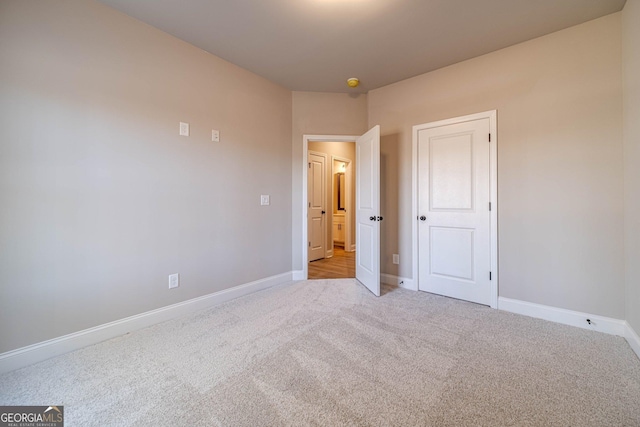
[341, 265]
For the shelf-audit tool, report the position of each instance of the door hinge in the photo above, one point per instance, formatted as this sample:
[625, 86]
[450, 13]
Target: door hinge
[489, 275]
[309, 165]
[489, 137]
[309, 204]
[489, 205]
[309, 244]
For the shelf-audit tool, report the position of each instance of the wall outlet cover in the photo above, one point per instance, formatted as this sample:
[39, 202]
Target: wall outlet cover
[396, 259]
[264, 200]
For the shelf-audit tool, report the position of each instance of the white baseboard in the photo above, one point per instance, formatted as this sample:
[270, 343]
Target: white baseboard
[607, 325]
[394, 280]
[632, 338]
[38, 352]
[298, 275]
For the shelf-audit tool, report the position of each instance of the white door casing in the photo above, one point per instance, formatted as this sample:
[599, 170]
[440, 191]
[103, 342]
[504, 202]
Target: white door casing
[368, 215]
[302, 211]
[455, 190]
[316, 194]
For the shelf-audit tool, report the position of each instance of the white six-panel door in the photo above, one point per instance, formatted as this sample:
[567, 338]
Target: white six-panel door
[368, 215]
[454, 239]
[316, 205]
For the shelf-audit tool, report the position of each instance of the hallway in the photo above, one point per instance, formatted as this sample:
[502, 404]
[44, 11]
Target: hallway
[341, 265]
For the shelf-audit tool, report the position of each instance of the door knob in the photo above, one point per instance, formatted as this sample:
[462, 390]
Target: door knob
[423, 218]
[380, 218]
[323, 212]
[372, 218]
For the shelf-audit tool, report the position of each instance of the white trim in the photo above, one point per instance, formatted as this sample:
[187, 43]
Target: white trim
[493, 198]
[493, 193]
[607, 325]
[298, 275]
[414, 208]
[632, 338]
[44, 350]
[401, 282]
[304, 214]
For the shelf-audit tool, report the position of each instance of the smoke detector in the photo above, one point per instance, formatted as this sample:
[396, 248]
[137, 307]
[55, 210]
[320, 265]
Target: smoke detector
[353, 82]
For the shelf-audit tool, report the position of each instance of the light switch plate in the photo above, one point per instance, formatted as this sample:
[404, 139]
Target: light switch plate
[264, 200]
[215, 135]
[184, 129]
[396, 259]
[174, 280]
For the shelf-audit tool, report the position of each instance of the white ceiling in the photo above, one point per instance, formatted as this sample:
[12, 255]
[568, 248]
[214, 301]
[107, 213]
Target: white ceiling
[315, 45]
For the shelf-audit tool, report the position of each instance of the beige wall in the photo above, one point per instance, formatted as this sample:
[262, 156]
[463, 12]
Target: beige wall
[560, 196]
[631, 106]
[316, 113]
[345, 150]
[100, 199]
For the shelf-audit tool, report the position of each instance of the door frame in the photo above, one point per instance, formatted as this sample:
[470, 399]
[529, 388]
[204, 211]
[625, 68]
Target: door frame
[493, 193]
[304, 244]
[349, 207]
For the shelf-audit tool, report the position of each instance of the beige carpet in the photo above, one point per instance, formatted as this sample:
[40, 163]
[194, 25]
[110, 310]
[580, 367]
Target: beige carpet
[328, 353]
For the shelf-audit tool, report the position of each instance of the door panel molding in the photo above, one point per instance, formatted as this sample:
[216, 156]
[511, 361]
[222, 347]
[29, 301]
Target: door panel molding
[493, 189]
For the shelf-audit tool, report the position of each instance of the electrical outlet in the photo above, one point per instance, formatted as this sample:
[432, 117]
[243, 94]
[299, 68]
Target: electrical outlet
[184, 129]
[215, 135]
[174, 280]
[396, 259]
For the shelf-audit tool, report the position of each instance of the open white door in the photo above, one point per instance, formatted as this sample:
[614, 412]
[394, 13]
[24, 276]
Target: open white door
[368, 210]
[316, 193]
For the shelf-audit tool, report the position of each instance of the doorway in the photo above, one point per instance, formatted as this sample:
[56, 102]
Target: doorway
[342, 197]
[366, 210]
[303, 162]
[330, 197]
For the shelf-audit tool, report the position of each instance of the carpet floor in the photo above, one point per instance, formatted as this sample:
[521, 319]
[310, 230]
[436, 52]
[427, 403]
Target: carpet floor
[329, 353]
